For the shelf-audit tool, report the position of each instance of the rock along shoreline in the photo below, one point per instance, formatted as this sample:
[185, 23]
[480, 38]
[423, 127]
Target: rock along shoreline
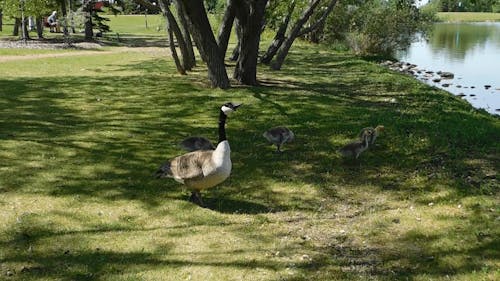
[444, 79]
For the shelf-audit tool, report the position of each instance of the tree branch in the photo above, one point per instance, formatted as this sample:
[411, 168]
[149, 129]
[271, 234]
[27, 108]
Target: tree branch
[321, 20]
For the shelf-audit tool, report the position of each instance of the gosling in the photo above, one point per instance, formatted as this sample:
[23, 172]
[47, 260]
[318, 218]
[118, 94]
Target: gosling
[279, 136]
[196, 143]
[374, 133]
[355, 148]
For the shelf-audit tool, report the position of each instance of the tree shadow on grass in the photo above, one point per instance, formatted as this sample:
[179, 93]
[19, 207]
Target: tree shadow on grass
[134, 40]
[86, 255]
[103, 138]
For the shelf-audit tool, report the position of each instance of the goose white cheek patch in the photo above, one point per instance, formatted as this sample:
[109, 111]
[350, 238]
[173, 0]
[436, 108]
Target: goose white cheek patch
[226, 110]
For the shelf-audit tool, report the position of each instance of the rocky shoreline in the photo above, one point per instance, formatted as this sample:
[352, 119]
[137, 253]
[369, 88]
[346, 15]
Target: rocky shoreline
[444, 79]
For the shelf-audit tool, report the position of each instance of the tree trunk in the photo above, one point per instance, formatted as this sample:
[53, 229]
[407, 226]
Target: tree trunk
[188, 25]
[172, 26]
[315, 35]
[278, 38]
[225, 27]
[24, 28]
[39, 27]
[205, 40]
[181, 14]
[171, 42]
[65, 17]
[251, 20]
[89, 32]
[72, 19]
[297, 31]
[320, 23]
[236, 51]
[17, 24]
[1, 20]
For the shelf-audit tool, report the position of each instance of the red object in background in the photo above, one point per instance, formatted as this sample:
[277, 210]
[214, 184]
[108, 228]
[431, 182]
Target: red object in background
[98, 5]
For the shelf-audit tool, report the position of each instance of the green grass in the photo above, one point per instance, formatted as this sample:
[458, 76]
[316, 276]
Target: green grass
[137, 24]
[79, 145]
[468, 17]
[148, 27]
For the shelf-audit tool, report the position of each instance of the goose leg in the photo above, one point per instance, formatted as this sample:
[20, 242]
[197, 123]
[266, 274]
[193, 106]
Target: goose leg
[196, 198]
[278, 150]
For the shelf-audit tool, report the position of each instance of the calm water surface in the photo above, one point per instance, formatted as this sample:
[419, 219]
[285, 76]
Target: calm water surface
[469, 50]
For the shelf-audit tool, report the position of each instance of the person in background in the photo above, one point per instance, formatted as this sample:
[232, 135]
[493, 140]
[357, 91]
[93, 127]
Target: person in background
[52, 21]
[31, 23]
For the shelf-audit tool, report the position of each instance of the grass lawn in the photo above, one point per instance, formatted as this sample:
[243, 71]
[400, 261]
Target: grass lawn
[79, 145]
[468, 17]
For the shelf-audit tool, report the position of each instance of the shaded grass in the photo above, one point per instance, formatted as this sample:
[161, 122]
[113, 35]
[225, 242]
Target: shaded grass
[79, 145]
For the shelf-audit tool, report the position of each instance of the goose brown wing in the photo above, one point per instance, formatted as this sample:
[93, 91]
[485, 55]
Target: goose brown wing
[190, 166]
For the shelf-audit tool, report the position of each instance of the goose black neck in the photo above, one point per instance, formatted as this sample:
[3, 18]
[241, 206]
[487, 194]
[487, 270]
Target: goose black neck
[222, 126]
[365, 141]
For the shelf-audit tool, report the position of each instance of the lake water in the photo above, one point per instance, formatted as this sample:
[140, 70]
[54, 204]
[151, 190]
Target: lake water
[471, 51]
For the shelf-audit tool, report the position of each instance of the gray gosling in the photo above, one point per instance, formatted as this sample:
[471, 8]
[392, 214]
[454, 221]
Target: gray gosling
[355, 148]
[196, 143]
[375, 133]
[279, 136]
[202, 169]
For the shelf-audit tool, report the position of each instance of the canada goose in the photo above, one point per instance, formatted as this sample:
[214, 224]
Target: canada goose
[355, 148]
[279, 136]
[202, 169]
[197, 143]
[374, 133]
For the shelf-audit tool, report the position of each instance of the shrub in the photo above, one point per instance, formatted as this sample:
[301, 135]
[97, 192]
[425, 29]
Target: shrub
[377, 26]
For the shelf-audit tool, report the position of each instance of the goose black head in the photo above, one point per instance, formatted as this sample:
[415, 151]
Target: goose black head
[229, 107]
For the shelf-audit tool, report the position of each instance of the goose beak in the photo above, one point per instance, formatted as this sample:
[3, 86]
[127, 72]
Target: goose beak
[236, 105]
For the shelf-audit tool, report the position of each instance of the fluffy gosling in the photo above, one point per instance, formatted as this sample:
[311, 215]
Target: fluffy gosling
[279, 136]
[374, 133]
[197, 143]
[355, 148]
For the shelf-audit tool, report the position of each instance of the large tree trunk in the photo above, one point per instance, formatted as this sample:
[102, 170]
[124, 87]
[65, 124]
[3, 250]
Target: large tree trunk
[181, 14]
[297, 31]
[251, 20]
[225, 27]
[172, 26]
[205, 40]
[190, 29]
[279, 38]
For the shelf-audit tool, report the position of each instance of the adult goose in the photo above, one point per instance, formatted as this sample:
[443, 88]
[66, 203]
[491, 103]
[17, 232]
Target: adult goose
[202, 169]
